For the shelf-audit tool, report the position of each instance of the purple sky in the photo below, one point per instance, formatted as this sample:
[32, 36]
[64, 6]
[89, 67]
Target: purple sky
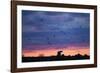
[54, 28]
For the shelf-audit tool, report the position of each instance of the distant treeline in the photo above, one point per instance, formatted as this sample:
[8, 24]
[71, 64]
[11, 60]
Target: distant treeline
[58, 57]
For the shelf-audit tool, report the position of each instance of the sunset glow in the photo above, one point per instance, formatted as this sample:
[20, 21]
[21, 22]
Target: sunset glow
[52, 52]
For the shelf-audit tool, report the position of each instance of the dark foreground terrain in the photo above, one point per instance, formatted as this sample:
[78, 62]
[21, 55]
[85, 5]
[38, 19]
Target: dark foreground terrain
[55, 58]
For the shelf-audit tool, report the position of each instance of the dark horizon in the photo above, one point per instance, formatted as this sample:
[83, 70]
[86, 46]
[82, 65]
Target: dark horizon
[59, 57]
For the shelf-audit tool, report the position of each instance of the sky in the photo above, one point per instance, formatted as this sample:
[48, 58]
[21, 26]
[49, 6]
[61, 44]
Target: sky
[52, 31]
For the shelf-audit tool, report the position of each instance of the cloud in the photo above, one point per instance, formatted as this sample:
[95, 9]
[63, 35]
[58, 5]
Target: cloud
[43, 28]
[48, 21]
